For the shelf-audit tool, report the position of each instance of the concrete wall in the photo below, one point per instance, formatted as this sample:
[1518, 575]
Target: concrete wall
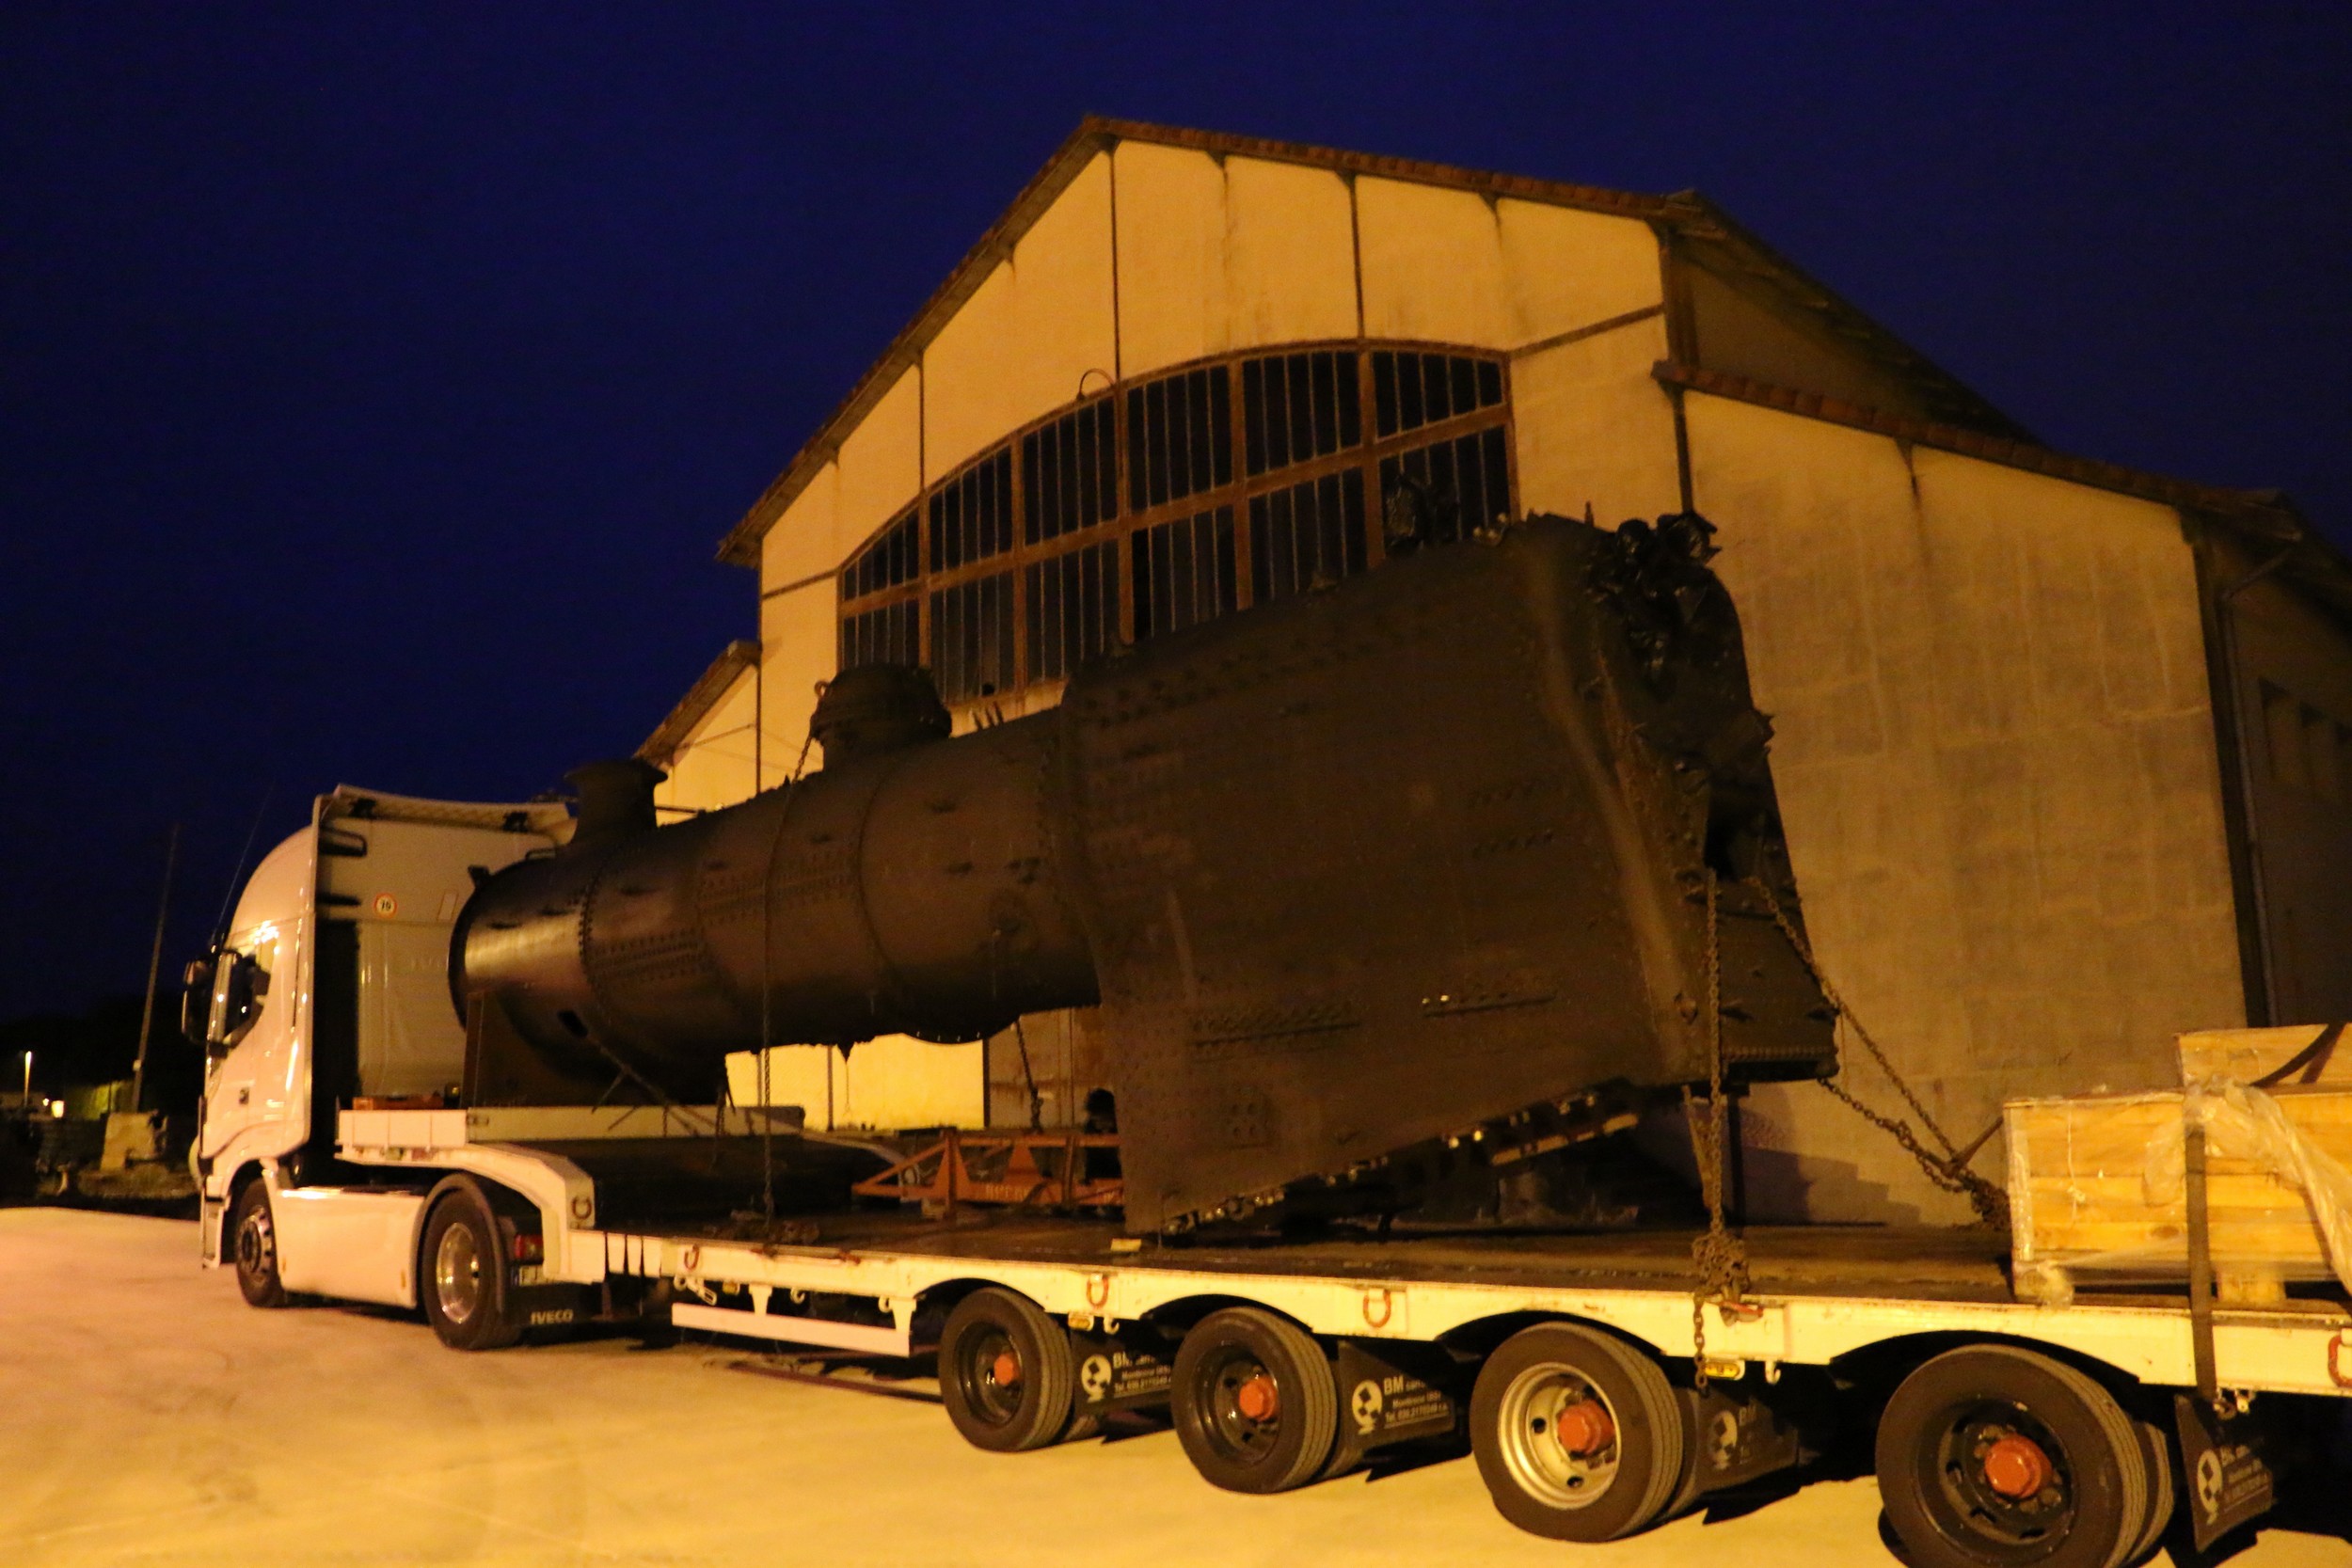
[713, 766]
[2293, 682]
[1593, 428]
[1995, 755]
[889, 1084]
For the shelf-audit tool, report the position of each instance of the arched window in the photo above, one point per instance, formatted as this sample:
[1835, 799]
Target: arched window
[1169, 500]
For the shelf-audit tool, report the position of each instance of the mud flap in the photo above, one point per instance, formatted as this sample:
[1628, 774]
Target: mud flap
[1395, 1393]
[1733, 1438]
[1127, 1371]
[2229, 1479]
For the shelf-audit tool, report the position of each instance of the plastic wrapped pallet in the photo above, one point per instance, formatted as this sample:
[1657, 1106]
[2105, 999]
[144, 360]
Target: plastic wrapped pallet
[2097, 1196]
[2296, 1056]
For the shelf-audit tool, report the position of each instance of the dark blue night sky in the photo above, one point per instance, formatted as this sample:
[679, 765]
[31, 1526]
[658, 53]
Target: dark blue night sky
[375, 384]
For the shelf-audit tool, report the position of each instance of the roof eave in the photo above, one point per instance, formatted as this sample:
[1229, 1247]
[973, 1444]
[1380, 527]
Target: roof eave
[669, 736]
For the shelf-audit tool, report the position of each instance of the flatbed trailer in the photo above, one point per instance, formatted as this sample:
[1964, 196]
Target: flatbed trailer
[1572, 1362]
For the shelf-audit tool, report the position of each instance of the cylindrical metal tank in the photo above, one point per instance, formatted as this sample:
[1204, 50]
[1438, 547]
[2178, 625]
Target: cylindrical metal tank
[910, 889]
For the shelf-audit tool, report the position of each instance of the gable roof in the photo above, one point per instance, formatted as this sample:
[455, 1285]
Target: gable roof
[1707, 235]
[669, 736]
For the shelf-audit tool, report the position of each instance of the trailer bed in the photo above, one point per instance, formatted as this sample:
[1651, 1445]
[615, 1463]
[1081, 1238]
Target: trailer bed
[1923, 1262]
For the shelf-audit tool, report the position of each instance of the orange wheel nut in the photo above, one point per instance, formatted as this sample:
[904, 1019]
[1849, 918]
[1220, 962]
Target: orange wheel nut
[1584, 1428]
[2015, 1467]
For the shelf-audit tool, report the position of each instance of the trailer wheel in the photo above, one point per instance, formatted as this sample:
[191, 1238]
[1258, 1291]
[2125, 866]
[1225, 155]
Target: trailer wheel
[1578, 1436]
[1006, 1373]
[1254, 1401]
[464, 1277]
[253, 1242]
[1996, 1457]
[2156, 1452]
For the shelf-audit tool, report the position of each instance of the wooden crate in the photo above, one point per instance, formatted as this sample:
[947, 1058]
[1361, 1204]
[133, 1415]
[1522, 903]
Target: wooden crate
[2248, 1054]
[2080, 1210]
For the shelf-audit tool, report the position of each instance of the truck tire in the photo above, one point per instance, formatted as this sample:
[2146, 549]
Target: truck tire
[1006, 1373]
[1994, 1455]
[253, 1244]
[1254, 1401]
[2156, 1452]
[461, 1277]
[1578, 1435]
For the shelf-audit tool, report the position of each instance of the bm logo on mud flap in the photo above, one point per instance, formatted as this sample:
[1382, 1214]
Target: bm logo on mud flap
[1366, 1404]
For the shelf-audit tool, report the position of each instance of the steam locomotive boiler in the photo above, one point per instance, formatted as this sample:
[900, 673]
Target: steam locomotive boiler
[1350, 872]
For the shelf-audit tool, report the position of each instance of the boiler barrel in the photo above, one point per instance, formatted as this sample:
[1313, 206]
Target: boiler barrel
[913, 889]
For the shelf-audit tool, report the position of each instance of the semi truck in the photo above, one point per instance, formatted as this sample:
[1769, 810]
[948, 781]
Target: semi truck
[1407, 887]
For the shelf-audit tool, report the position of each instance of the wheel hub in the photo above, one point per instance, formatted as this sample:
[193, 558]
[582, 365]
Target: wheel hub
[1559, 1437]
[2016, 1468]
[1005, 1370]
[1584, 1428]
[1259, 1399]
[253, 1244]
[457, 1274]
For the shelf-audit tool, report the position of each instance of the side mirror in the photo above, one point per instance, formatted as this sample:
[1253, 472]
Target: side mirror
[231, 1004]
[195, 1001]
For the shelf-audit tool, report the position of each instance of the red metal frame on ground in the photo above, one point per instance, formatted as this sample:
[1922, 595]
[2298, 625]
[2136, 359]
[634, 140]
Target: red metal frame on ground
[943, 1173]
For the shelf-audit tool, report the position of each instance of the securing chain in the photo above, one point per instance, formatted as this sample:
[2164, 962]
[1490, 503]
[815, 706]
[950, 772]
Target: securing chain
[1720, 1255]
[1949, 1171]
[767, 985]
[1029, 1079]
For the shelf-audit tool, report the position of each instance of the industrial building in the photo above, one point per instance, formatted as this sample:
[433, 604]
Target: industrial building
[2065, 751]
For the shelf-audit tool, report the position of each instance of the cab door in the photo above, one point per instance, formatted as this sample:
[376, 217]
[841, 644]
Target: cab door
[254, 1010]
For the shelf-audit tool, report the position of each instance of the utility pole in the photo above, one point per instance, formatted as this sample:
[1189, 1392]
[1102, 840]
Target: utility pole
[155, 963]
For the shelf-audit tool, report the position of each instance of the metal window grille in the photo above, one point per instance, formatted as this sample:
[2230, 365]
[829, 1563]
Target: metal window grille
[971, 514]
[1236, 482]
[1409, 390]
[1180, 437]
[1073, 601]
[1070, 473]
[1307, 536]
[889, 561]
[1184, 572]
[1299, 406]
[891, 635]
[972, 637]
[1457, 486]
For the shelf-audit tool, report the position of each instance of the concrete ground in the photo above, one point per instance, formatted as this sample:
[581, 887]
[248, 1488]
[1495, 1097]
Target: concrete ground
[148, 1417]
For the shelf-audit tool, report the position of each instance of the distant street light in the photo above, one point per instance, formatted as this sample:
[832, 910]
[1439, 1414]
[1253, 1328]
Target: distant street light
[27, 1098]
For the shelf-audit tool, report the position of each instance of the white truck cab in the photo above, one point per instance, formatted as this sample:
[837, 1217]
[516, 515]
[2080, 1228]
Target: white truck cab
[332, 988]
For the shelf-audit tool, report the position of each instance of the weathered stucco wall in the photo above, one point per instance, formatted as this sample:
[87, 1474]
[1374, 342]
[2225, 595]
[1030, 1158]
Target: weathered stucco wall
[1995, 755]
[1593, 428]
[889, 1083]
[2293, 682]
[713, 766]
[1020, 346]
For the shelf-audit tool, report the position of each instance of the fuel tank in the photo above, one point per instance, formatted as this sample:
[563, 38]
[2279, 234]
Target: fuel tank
[1346, 872]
